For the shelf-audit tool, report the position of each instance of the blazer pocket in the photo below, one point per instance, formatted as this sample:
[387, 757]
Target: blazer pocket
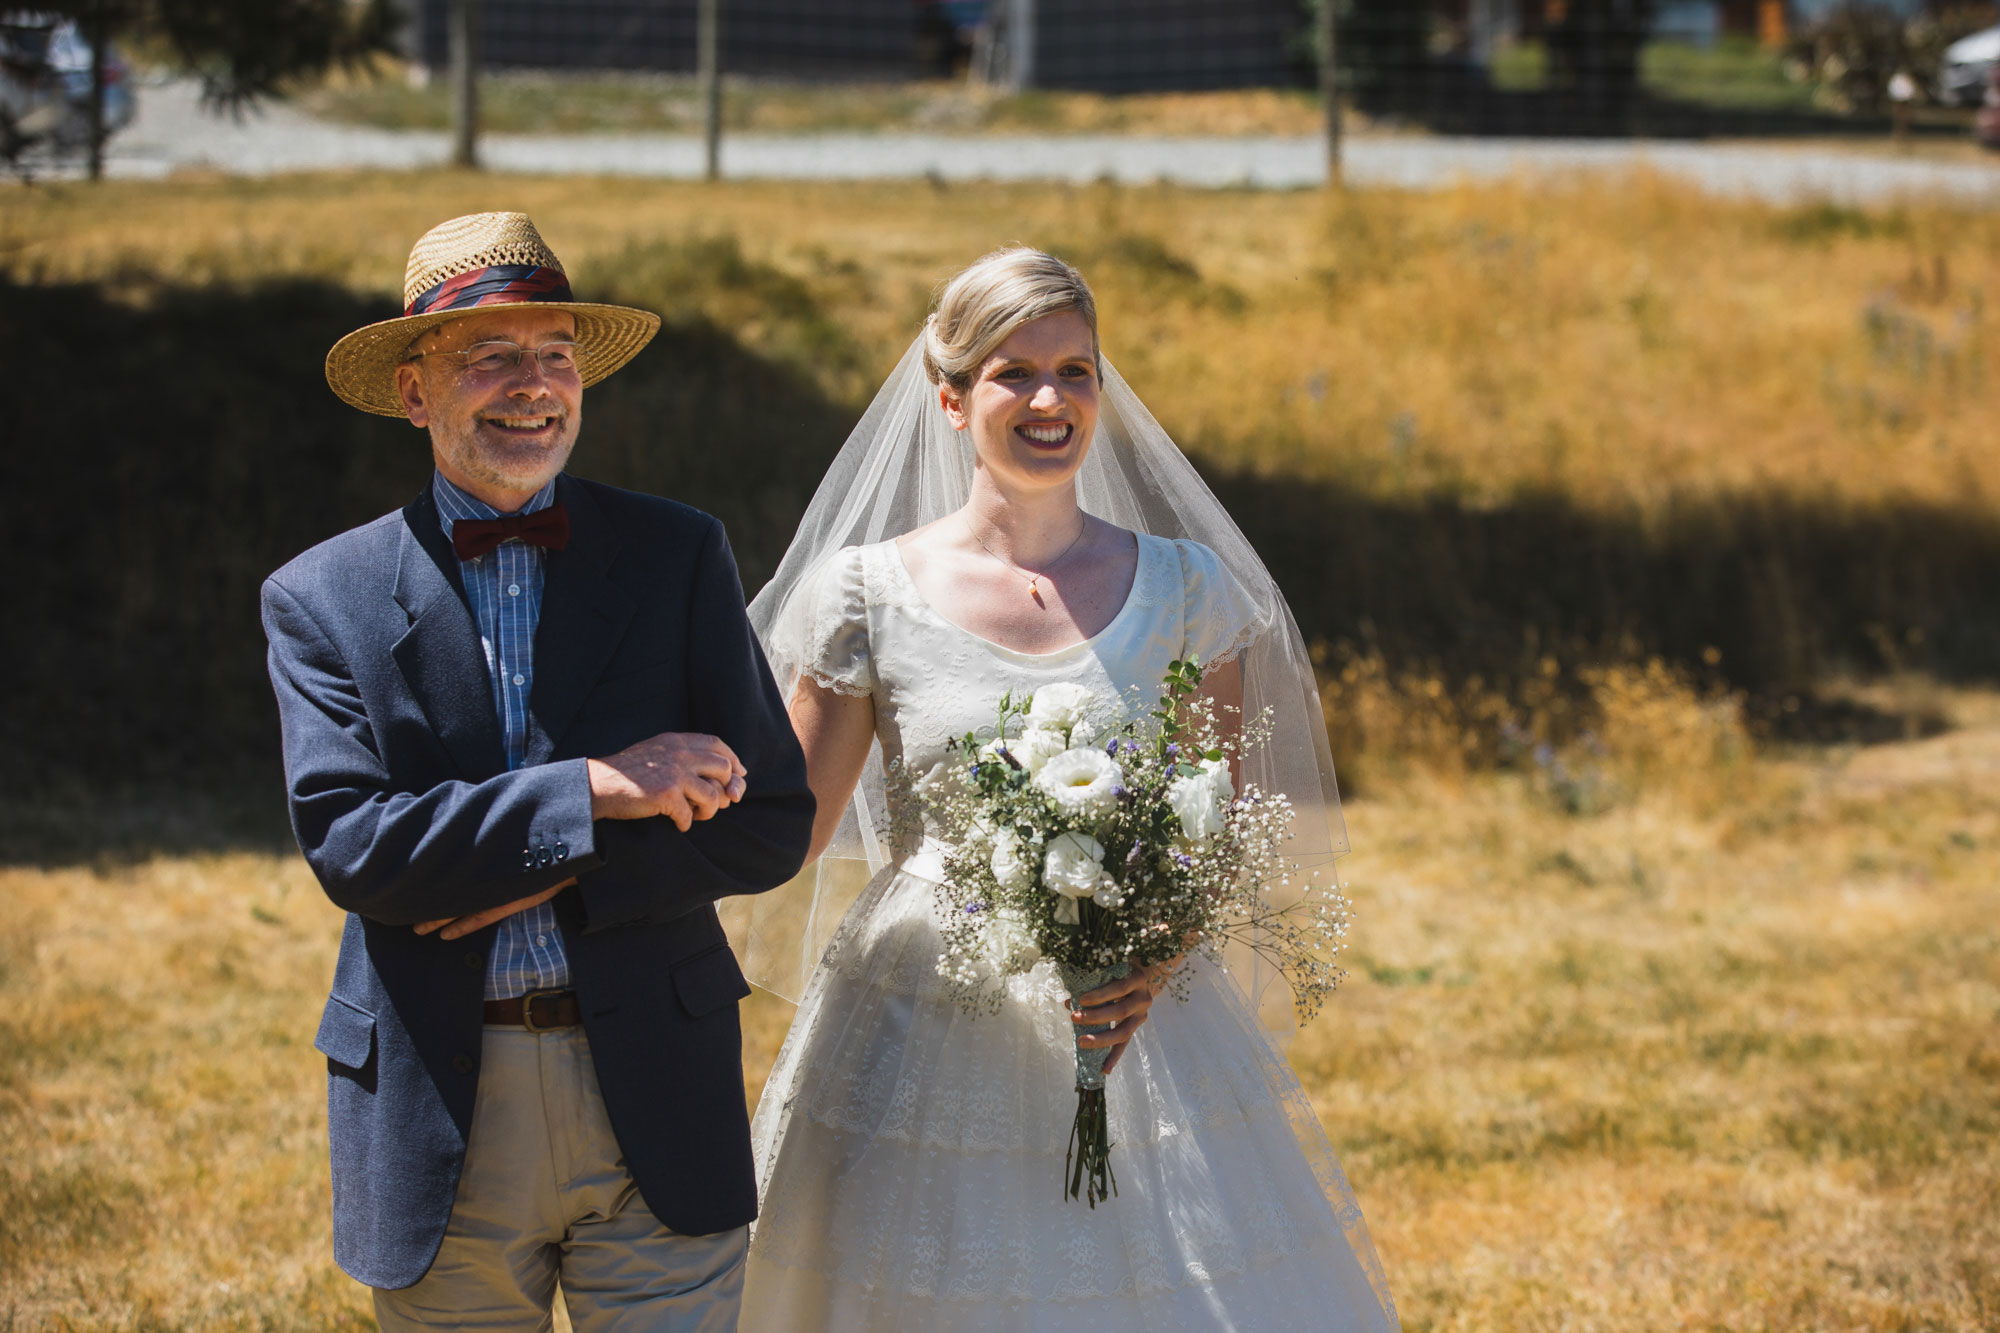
[346, 1033]
[708, 980]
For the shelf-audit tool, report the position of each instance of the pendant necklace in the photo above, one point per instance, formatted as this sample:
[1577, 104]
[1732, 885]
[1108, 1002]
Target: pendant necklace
[1034, 592]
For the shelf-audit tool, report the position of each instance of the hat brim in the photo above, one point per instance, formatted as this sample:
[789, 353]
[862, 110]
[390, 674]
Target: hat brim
[361, 368]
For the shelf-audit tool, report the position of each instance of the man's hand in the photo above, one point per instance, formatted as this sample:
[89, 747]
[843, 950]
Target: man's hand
[683, 775]
[454, 927]
[1123, 1003]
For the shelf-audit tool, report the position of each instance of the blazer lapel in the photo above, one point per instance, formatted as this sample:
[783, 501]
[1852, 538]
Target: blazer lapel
[584, 615]
[440, 654]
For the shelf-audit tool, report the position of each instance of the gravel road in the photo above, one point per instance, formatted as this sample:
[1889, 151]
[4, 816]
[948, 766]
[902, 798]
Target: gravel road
[172, 133]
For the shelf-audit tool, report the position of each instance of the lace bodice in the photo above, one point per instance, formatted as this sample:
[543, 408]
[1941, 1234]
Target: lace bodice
[933, 681]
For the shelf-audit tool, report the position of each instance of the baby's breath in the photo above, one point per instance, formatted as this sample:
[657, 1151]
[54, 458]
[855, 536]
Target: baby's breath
[1166, 889]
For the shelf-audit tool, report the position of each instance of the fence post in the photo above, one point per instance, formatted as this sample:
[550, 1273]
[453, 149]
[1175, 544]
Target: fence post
[1021, 44]
[1329, 86]
[464, 20]
[708, 72]
[100, 38]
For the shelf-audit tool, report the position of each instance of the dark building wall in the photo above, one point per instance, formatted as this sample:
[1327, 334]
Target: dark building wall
[807, 38]
[1101, 45]
[1164, 45]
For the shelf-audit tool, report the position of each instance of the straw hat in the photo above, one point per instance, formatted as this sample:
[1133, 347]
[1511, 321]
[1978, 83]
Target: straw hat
[486, 261]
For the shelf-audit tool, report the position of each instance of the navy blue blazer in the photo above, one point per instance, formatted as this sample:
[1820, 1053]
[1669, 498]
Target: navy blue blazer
[403, 804]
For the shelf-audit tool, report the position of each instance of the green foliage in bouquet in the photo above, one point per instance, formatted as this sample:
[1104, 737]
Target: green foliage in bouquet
[1102, 839]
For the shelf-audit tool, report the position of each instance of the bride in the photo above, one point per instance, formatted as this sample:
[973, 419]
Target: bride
[1007, 516]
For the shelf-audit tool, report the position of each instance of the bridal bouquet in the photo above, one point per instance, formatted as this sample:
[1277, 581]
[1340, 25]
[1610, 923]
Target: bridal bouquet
[1104, 848]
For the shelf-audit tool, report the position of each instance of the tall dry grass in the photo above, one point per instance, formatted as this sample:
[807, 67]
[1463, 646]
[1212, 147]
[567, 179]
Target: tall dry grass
[1717, 1052]
[1472, 432]
[1587, 495]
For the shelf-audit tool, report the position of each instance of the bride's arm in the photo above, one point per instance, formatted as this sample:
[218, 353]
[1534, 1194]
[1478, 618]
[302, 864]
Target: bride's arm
[835, 730]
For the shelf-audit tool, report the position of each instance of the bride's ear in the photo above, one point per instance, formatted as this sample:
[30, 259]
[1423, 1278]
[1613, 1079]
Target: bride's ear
[954, 410]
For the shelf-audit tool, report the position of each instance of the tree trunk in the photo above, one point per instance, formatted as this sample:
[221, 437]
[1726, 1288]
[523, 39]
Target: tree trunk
[464, 19]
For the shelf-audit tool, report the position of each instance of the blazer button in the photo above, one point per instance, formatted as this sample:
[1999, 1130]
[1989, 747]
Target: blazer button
[562, 851]
[473, 960]
[544, 857]
[462, 1064]
[528, 858]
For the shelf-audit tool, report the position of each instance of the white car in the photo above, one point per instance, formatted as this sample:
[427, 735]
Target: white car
[1967, 63]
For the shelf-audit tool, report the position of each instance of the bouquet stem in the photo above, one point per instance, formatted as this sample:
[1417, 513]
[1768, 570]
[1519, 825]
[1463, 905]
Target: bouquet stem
[1087, 1164]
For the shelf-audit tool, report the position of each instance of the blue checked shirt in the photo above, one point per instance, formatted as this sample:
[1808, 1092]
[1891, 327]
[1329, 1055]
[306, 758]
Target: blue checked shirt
[505, 588]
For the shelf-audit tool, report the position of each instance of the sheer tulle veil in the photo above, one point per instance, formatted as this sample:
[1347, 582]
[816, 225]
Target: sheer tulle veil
[904, 466]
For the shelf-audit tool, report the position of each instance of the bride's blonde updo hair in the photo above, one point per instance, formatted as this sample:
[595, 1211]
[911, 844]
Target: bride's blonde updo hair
[991, 298]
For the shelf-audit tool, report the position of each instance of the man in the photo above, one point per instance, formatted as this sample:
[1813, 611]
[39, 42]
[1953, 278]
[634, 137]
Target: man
[529, 741]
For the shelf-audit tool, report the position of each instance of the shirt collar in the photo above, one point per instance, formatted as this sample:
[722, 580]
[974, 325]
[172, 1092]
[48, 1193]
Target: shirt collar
[454, 504]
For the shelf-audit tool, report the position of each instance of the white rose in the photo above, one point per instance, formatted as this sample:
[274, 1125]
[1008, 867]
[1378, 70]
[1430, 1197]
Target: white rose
[1010, 862]
[1083, 782]
[1194, 803]
[1059, 706]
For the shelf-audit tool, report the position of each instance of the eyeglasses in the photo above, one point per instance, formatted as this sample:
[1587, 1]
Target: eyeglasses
[504, 358]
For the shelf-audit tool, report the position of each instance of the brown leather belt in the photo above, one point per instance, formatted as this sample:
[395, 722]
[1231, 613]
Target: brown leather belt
[537, 1011]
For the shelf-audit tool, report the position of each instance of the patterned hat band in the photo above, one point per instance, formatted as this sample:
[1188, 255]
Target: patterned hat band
[500, 284]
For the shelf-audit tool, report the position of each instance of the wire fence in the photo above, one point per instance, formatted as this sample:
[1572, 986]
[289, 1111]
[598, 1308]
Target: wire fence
[1566, 67]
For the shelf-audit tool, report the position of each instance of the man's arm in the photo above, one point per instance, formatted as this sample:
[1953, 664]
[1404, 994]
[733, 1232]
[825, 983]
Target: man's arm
[652, 871]
[399, 856]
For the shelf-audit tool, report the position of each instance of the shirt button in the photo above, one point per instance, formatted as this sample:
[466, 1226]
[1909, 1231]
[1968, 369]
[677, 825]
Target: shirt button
[541, 941]
[520, 679]
[473, 960]
[462, 1063]
[513, 590]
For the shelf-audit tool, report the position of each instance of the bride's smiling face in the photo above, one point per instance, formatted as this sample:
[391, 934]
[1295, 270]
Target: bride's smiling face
[1032, 406]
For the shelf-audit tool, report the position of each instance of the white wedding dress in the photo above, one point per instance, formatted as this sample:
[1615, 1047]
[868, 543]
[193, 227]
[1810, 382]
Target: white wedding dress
[911, 1154]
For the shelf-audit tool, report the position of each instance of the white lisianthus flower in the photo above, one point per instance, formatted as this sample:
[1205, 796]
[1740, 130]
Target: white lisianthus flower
[1014, 946]
[1010, 861]
[1031, 749]
[1073, 865]
[1083, 782]
[1194, 803]
[1217, 773]
[1084, 733]
[1059, 706]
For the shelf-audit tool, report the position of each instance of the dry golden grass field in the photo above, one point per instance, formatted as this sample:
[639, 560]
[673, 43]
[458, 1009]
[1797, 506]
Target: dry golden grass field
[1671, 704]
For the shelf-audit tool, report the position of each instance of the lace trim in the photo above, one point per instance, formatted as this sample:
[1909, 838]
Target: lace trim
[828, 681]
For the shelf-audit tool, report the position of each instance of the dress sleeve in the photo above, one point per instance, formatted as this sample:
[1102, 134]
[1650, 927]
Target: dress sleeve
[1222, 617]
[837, 654]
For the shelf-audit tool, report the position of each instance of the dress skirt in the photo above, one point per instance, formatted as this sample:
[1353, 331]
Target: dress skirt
[911, 1160]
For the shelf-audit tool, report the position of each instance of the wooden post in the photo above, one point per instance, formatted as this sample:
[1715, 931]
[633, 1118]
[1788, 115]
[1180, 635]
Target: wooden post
[708, 69]
[1021, 45]
[464, 27]
[100, 39]
[1329, 86]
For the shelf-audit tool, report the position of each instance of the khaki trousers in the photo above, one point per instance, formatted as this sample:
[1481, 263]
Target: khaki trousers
[545, 1198]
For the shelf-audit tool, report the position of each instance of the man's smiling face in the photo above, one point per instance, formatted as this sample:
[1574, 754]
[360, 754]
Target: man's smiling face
[498, 433]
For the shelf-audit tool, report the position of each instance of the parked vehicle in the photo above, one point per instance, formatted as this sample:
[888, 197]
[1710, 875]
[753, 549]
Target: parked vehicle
[45, 87]
[1967, 62]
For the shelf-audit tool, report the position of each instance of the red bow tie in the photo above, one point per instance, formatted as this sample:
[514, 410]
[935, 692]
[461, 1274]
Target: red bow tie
[474, 537]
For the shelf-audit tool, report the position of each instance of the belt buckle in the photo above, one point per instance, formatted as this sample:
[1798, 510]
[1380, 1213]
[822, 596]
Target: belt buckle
[528, 1010]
